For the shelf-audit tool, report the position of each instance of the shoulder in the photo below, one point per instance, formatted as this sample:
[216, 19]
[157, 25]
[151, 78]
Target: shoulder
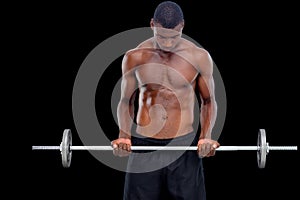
[198, 56]
[196, 51]
[142, 48]
[138, 55]
[202, 57]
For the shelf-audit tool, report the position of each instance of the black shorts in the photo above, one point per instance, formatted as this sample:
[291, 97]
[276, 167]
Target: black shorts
[179, 177]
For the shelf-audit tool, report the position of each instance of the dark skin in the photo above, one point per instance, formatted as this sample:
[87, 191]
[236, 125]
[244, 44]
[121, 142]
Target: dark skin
[166, 69]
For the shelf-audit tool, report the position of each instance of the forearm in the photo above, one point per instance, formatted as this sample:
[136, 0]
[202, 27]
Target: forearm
[208, 117]
[125, 118]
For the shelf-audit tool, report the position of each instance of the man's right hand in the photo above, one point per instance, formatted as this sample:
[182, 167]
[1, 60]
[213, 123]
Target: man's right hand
[121, 147]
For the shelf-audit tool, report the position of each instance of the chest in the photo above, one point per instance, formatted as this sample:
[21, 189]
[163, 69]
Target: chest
[169, 70]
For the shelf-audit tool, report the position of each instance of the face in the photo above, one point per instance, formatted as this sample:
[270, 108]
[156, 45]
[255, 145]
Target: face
[167, 39]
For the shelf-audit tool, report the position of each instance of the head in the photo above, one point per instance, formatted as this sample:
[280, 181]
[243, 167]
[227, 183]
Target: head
[167, 24]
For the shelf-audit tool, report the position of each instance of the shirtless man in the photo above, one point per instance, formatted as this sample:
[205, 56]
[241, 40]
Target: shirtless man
[167, 70]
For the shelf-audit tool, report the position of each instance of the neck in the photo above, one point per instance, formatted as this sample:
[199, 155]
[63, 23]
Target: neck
[173, 50]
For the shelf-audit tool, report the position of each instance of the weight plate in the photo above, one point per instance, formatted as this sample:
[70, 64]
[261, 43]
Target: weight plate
[65, 148]
[261, 148]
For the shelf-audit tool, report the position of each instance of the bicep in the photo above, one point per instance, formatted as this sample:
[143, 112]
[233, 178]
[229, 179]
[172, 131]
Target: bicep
[128, 86]
[206, 88]
[205, 81]
[128, 82]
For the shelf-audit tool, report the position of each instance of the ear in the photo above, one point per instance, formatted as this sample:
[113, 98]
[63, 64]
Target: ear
[182, 23]
[152, 23]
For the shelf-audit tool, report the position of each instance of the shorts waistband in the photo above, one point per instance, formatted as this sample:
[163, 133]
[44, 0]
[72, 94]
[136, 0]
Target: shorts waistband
[188, 139]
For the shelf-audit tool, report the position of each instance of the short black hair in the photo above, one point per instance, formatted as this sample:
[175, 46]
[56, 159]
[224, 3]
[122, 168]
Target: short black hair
[168, 14]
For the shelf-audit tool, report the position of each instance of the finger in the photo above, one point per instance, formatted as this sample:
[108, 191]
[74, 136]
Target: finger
[215, 146]
[128, 147]
[211, 153]
[118, 152]
[123, 153]
[122, 146]
[114, 146]
[205, 149]
[213, 149]
[115, 152]
[209, 149]
[201, 153]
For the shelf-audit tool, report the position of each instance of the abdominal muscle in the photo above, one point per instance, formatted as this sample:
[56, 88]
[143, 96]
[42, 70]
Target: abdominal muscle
[163, 114]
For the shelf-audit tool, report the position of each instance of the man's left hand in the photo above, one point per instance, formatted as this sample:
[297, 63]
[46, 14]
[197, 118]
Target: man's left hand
[207, 147]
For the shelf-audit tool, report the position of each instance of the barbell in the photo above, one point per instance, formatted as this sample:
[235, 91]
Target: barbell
[262, 148]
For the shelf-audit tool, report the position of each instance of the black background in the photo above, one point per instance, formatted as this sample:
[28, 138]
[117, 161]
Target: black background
[254, 47]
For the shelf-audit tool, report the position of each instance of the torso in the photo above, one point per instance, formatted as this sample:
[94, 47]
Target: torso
[166, 92]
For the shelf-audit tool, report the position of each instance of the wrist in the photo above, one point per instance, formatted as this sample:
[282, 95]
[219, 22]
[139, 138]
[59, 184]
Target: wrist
[124, 135]
[204, 135]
